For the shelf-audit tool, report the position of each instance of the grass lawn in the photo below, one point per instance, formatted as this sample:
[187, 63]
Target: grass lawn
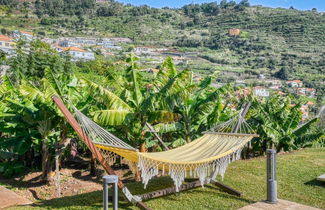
[296, 182]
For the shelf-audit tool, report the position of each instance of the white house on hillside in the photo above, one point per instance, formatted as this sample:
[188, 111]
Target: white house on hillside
[7, 44]
[109, 45]
[295, 83]
[67, 43]
[261, 91]
[120, 40]
[78, 53]
[144, 49]
[29, 36]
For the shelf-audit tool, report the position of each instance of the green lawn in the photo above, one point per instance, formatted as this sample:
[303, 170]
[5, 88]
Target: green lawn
[296, 182]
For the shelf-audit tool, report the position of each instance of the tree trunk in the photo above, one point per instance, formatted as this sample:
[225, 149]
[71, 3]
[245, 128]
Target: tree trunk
[57, 170]
[143, 147]
[59, 148]
[188, 134]
[155, 148]
[249, 146]
[93, 166]
[29, 158]
[46, 163]
[188, 139]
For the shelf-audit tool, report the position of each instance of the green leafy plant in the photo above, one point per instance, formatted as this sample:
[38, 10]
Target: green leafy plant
[278, 123]
[11, 168]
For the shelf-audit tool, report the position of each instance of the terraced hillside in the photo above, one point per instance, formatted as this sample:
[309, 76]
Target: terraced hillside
[283, 43]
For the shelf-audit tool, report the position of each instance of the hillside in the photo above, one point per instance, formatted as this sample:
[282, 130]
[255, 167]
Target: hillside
[283, 43]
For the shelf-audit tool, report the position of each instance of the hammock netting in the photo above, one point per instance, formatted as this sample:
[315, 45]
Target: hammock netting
[204, 158]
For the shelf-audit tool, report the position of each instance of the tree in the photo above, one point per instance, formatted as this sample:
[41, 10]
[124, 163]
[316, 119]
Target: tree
[130, 107]
[4, 31]
[283, 73]
[277, 121]
[210, 8]
[10, 3]
[33, 63]
[199, 105]
[2, 57]
[224, 4]
[127, 108]
[25, 8]
[31, 119]
[30, 102]
[36, 118]
[106, 11]
[242, 5]
[191, 9]
[64, 7]
[171, 102]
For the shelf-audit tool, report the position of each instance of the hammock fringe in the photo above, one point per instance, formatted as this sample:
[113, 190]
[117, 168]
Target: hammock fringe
[205, 171]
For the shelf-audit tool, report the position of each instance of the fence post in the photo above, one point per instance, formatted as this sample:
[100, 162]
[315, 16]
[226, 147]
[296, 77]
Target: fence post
[110, 180]
[271, 176]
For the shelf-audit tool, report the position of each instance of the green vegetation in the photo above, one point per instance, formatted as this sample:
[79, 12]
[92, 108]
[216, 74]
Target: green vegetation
[122, 98]
[296, 182]
[278, 122]
[284, 43]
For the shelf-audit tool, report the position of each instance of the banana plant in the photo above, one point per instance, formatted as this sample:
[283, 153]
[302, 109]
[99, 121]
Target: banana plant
[30, 117]
[171, 102]
[199, 105]
[20, 141]
[279, 124]
[33, 108]
[132, 106]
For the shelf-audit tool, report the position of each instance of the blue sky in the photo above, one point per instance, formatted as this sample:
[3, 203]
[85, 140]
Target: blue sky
[298, 4]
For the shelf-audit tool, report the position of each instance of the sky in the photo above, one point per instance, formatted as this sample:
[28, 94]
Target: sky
[297, 4]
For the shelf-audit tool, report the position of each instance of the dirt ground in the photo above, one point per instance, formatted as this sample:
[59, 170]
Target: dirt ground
[73, 182]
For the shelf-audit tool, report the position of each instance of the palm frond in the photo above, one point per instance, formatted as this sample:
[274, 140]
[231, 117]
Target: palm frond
[31, 92]
[308, 139]
[169, 67]
[163, 116]
[6, 85]
[136, 93]
[167, 128]
[49, 90]
[6, 115]
[112, 101]
[111, 117]
[52, 81]
[305, 127]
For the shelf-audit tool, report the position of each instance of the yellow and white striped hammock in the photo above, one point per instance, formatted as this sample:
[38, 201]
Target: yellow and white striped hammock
[204, 158]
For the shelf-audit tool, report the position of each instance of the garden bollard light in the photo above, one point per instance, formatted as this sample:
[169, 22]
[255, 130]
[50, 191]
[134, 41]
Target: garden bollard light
[271, 176]
[112, 180]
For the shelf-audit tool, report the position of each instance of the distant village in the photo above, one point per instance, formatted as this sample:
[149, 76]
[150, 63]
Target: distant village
[273, 86]
[84, 49]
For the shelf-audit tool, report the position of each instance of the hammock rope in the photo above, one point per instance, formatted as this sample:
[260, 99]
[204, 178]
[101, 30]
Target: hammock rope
[98, 134]
[230, 125]
[204, 158]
